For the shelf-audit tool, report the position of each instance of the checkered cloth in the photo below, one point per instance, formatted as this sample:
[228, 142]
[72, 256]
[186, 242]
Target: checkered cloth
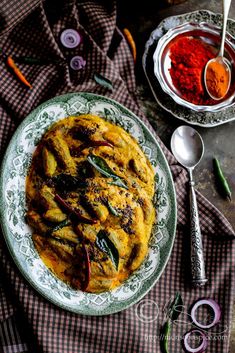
[29, 323]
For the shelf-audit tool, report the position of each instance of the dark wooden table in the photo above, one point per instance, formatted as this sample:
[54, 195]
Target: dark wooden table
[219, 141]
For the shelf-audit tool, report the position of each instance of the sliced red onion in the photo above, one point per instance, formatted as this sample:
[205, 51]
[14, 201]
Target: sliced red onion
[213, 305]
[70, 38]
[77, 63]
[199, 349]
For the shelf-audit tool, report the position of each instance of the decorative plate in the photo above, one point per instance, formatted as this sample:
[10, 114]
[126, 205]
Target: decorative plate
[13, 206]
[206, 119]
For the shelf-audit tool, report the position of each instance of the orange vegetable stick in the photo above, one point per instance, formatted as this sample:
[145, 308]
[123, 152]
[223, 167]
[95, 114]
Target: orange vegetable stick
[131, 42]
[10, 63]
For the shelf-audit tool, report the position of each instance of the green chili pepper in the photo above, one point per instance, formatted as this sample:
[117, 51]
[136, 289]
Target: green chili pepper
[173, 311]
[166, 330]
[174, 307]
[103, 81]
[34, 61]
[101, 165]
[222, 182]
[28, 60]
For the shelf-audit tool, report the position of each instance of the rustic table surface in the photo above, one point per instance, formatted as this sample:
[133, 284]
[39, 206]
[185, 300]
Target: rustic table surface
[142, 19]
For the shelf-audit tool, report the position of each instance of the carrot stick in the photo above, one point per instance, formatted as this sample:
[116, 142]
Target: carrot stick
[131, 42]
[10, 63]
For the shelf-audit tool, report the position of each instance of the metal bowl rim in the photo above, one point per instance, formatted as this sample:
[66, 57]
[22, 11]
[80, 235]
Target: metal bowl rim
[165, 40]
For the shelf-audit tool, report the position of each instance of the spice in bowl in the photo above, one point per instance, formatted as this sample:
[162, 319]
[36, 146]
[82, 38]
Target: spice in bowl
[189, 57]
[217, 79]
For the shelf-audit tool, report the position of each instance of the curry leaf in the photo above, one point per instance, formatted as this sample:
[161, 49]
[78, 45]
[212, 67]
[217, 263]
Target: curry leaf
[101, 165]
[106, 245]
[60, 225]
[103, 81]
[118, 182]
[112, 209]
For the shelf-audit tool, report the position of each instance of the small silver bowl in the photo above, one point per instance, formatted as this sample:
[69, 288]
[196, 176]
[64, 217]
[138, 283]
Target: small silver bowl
[208, 33]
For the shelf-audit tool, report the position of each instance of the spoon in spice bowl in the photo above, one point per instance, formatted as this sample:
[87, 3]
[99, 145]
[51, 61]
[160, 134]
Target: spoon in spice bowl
[217, 74]
[188, 148]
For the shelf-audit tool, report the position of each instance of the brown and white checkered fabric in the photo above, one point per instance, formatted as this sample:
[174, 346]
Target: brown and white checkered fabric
[28, 322]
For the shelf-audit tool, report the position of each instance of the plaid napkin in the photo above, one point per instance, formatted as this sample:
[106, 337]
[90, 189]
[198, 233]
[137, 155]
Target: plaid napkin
[29, 323]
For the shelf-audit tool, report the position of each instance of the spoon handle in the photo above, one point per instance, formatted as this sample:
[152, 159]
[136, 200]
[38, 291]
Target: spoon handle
[197, 259]
[226, 7]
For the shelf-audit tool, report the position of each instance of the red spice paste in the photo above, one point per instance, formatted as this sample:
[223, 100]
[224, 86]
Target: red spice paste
[188, 59]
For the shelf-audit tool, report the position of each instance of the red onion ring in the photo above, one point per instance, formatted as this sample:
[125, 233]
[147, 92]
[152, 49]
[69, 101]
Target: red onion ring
[77, 63]
[199, 349]
[70, 38]
[213, 305]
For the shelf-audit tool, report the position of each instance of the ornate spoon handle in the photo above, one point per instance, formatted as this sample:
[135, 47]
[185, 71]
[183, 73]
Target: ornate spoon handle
[197, 259]
[226, 7]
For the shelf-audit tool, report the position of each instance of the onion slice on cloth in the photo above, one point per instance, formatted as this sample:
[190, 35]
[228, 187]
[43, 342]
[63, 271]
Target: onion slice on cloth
[213, 305]
[199, 349]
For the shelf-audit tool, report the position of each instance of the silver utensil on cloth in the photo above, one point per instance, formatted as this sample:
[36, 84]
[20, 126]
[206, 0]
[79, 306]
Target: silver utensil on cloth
[220, 59]
[188, 148]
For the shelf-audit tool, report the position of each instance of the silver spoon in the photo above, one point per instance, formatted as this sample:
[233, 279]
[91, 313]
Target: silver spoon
[220, 59]
[188, 148]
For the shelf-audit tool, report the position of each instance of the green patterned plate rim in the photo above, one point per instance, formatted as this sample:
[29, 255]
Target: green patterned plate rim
[13, 206]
